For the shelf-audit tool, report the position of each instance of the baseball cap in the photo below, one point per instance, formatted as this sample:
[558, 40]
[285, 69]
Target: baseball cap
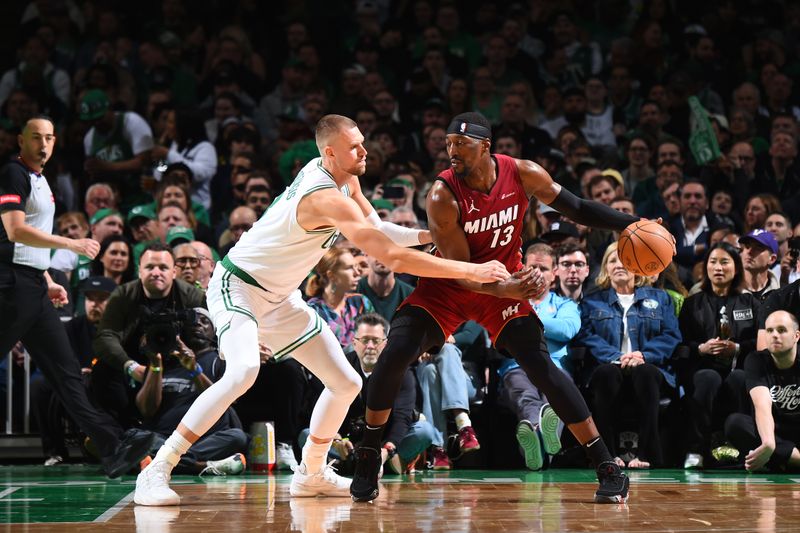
[100, 214]
[94, 105]
[98, 284]
[560, 230]
[178, 235]
[380, 203]
[400, 182]
[763, 238]
[141, 211]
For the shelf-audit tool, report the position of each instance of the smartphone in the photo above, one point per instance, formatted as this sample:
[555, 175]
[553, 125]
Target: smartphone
[391, 192]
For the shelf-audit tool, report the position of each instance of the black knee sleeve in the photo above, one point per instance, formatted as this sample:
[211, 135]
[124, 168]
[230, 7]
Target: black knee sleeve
[413, 331]
[523, 339]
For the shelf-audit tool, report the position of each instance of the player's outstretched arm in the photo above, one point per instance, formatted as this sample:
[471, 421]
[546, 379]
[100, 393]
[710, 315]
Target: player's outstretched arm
[400, 235]
[538, 183]
[328, 208]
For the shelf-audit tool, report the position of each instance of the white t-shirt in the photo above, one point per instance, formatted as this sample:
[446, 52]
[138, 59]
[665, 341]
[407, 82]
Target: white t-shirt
[135, 130]
[626, 301]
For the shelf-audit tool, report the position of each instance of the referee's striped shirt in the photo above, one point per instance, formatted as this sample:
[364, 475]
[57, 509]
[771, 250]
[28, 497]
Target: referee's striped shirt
[23, 189]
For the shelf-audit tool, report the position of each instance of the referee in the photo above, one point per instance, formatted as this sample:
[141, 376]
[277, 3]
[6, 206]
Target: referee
[27, 294]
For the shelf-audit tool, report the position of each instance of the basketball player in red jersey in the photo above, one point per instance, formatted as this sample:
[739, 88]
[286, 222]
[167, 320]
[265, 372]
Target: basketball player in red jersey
[475, 213]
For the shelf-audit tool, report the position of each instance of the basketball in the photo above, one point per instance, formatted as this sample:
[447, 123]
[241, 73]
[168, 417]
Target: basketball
[646, 247]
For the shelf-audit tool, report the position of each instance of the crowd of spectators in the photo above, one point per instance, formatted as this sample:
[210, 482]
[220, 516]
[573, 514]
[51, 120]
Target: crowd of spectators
[179, 123]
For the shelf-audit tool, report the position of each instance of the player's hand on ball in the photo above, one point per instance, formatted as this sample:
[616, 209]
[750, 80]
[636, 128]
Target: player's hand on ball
[488, 272]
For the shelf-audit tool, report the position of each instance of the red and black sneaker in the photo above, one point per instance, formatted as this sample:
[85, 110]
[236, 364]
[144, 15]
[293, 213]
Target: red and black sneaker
[613, 484]
[364, 487]
[440, 459]
[467, 441]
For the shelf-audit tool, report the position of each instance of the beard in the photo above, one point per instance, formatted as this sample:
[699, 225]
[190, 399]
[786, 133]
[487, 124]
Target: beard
[463, 173]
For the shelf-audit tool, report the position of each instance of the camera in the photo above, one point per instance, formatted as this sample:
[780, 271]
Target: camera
[391, 192]
[162, 329]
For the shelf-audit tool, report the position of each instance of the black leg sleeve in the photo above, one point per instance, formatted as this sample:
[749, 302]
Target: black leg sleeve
[523, 339]
[413, 332]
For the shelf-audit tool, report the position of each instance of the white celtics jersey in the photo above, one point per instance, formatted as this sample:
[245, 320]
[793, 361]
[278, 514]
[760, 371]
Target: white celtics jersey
[277, 252]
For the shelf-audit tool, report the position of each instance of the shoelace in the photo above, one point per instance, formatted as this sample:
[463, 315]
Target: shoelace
[213, 470]
[329, 473]
[158, 475]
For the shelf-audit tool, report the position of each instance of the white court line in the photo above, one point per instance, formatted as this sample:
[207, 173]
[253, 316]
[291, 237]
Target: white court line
[8, 491]
[112, 511]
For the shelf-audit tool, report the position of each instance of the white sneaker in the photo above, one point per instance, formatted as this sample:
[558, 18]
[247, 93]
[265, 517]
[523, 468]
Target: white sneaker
[53, 460]
[285, 459]
[152, 486]
[229, 466]
[693, 461]
[326, 482]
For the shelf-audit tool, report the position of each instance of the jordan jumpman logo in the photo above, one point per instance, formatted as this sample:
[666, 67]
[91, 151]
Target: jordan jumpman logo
[472, 207]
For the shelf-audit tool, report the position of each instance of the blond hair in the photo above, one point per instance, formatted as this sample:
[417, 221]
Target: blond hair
[319, 277]
[603, 280]
[328, 126]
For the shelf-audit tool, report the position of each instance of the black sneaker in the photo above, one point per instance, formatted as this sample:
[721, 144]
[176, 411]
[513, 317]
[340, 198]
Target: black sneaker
[613, 484]
[364, 487]
[129, 452]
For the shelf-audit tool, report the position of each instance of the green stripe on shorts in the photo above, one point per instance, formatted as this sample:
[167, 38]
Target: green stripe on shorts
[316, 330]
[228, 300]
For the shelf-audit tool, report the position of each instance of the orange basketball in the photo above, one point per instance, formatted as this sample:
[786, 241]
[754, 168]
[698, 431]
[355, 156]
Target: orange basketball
[646, 247]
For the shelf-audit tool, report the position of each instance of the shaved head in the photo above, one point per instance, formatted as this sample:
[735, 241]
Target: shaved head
[328, 126]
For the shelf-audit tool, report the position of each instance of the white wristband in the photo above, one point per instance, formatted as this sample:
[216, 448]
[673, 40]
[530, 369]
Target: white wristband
[400, 235]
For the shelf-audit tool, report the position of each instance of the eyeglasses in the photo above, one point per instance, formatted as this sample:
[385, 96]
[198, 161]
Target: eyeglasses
[566, 265]
[366, 341]
[190, 261]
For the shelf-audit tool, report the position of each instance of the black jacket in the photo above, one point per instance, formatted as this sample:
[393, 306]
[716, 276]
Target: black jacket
[699, 321]
[81, 333]
[121, 329]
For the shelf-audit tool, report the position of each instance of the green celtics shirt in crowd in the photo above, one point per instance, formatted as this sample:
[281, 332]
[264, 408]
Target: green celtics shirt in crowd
[130, 136]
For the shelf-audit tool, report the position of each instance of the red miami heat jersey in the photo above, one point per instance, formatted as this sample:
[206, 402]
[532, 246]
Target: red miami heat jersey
[492, 224]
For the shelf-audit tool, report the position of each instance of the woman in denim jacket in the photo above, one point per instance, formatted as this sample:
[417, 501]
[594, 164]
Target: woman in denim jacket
[631, 330]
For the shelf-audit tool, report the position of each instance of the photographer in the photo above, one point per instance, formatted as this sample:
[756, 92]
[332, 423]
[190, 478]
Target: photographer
[174, 378]
[122, 327]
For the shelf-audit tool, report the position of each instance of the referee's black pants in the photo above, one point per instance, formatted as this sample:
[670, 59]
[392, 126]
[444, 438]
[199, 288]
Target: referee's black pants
[28, 315]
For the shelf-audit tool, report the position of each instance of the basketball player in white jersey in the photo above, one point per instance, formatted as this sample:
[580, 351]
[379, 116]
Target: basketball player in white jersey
[253, 297]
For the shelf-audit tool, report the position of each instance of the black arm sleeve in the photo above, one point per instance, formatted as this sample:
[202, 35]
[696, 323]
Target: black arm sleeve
[590, 213]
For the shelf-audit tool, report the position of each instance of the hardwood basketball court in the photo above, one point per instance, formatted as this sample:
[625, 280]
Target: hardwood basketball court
[77, 498]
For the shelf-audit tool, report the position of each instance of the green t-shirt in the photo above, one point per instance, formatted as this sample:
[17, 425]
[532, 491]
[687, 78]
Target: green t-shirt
[387, 306]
